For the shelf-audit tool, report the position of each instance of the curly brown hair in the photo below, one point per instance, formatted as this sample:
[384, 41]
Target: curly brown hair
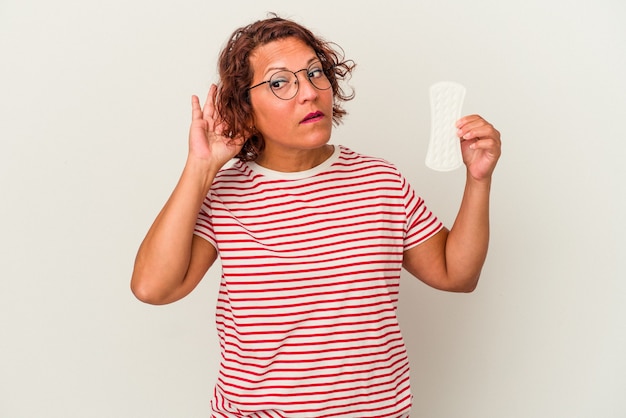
[235, 72]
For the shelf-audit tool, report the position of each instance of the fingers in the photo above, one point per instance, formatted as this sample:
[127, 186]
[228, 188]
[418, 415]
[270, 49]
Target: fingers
[475, 127]
[208, 111]
[196, 111]
[478, 134]
[209, 104]
[208, 115]
[236, 143]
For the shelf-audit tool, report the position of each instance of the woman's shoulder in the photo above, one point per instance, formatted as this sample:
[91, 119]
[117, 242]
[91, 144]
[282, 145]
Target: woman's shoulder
[354, 158]
[235, 172]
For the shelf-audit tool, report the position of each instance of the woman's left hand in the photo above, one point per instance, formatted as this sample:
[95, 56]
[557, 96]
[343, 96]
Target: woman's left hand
[480, 146]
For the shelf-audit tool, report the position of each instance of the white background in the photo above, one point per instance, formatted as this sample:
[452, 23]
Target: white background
[94, 112]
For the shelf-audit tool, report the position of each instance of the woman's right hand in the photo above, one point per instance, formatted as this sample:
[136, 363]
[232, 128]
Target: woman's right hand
[171, 260]
[207, 142]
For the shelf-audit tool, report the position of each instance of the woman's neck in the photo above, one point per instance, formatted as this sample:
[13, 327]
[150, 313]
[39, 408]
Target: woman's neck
[294, 160]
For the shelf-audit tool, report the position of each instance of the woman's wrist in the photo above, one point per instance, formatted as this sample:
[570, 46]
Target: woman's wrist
[482, 183]
[199, 172]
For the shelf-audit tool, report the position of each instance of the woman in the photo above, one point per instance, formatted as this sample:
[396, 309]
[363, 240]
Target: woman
[311, 236]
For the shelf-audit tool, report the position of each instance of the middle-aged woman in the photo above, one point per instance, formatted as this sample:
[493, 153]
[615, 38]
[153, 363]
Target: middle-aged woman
[311, 236]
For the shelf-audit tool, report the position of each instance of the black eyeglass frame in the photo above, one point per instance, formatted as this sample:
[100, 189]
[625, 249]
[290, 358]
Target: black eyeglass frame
[295, 73]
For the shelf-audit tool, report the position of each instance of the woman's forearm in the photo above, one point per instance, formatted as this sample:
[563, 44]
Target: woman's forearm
[468, 240]
[164, 255]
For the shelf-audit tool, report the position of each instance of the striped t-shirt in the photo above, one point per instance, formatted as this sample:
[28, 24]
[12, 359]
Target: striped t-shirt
[306, 312]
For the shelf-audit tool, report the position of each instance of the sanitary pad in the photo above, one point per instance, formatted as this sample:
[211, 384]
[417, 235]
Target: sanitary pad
[444, 147]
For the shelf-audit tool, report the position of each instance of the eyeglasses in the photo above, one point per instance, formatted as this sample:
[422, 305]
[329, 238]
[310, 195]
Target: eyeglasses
[284, 84]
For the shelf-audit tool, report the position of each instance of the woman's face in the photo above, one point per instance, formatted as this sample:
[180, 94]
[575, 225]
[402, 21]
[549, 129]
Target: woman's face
[299, 124]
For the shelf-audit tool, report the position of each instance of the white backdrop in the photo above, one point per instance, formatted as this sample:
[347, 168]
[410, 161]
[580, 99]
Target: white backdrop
[94, 112]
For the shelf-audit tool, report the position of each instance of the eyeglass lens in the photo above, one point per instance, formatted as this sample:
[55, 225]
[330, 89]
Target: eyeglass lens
[284, 84]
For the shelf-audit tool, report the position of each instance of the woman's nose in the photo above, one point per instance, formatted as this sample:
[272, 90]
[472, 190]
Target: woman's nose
[306, 89]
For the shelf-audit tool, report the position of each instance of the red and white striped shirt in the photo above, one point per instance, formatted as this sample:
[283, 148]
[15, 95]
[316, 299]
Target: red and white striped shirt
[306, 312]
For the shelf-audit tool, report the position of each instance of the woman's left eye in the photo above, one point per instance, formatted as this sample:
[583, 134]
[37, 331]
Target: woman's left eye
[315, 73]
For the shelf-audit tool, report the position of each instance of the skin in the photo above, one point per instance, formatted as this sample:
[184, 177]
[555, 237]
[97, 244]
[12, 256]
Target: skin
[291, 144]
[171, 260]
[452, 259]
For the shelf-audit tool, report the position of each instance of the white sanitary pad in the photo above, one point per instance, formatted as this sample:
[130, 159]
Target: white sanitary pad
[444, 148]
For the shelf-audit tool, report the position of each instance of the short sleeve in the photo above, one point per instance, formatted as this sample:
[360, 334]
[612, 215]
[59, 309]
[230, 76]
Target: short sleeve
[204, 223]
[421, 223]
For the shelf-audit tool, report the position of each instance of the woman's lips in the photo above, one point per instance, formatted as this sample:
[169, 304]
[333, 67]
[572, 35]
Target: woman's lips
[312, 117]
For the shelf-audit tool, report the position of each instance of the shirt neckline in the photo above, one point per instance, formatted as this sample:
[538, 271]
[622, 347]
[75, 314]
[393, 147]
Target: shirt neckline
[297, 175]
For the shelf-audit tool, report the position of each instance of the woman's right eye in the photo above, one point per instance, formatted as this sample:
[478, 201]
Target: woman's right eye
[278, 83]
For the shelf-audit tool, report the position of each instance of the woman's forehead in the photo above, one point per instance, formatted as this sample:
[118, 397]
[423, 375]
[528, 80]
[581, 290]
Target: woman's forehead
[287, 53]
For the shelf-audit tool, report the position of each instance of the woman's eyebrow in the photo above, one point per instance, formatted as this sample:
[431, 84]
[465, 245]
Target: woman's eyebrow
[309, 62]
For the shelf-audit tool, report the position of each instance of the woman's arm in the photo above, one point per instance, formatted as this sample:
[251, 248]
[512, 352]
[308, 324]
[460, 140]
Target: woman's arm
[452, 260]
[171, 261]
